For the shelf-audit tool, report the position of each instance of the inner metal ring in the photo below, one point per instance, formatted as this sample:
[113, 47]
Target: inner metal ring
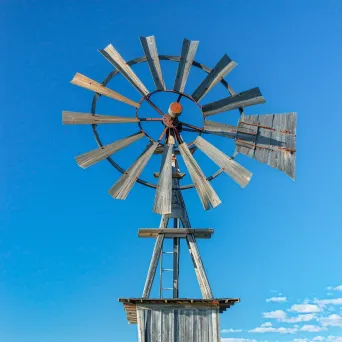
[166, 91]
[137, 61]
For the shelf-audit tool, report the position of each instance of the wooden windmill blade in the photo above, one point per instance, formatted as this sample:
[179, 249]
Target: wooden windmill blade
[217, 128]
[90, 158]
[189, 49]
[204, 189]
[150, 49]
[272, 142]
[240, 100]
[163, 197]
[233, 169]
[88, 83]
[78, 118]
[221, 69]
[126, 182]
[113, 57]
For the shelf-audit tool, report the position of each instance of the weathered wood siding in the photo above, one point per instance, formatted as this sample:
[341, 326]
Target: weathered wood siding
[178, 325]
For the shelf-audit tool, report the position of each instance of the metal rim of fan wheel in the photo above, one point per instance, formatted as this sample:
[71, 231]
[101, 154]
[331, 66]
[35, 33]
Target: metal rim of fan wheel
[143, 59]
[268, 138]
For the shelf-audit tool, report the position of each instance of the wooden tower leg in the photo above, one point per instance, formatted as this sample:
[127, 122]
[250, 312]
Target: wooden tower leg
[176, 251]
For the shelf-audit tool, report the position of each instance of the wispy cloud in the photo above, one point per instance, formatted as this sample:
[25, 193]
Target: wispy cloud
[332, 321]
[336, 288]
[268, 328]
[312, 328]
[237, 340]
[305, 308]
[230, 330]
[333, 301]
[276, 300]
[281, 316]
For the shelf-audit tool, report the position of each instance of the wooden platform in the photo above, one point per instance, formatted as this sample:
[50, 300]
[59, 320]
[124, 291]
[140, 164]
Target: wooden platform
[130, 304]
[175, 232]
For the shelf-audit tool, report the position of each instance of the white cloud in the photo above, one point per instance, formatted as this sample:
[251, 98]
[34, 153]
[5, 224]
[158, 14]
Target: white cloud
[332, 321]
[237, 340]
[267, 328]
[334, 339]
[334, 301]
[312, 328]
[230, 330]
[299, 318]
[337, 288]
[278, 314]
[305, 308]
[318, 338]
[276, 300]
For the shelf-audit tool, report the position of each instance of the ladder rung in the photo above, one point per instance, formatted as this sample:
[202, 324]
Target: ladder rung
[168, 288]
[167, 269]
[167, 252]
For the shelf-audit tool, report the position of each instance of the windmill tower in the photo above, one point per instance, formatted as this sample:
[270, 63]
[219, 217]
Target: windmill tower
[268, 138]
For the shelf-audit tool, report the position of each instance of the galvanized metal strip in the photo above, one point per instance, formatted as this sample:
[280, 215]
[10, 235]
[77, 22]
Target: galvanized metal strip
[189, 49]
[221, 69]
[88, 83]
[204, 189]
[141, 324]
[163, 197]
[284, 157]
[90, 158]
[125, 183]
[150, 49]
[263, 139]
[233, 169]
[78, 118]
[240, 100]
[113, 57]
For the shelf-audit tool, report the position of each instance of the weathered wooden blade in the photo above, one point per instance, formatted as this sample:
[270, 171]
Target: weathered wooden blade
[205, 191]
[119, 63]
[217, 128]
[272, 140]
[150, 49]
[233, 169]
[125, 183]
[162, 200]
[90, 158]
[240, 100]
[221, 69]
[77, 118]
[189, 49]
[88, 83]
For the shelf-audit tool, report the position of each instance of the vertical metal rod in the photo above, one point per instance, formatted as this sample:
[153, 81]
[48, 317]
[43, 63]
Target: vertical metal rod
[176, 250]
[161, 275]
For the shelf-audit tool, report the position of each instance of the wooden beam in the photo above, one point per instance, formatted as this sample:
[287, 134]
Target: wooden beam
[233, 169]
[189, 49]
[221, 69]
[199, 268]
[90, 158]
[162, 200]
[150, 49]
[240, 100]
[113, 57]
[125, 183]
[205, 191]
[204, 233]
[77, 118]
[88, 83]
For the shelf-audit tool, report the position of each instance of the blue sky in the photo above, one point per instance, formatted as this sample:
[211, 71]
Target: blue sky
[68, 250]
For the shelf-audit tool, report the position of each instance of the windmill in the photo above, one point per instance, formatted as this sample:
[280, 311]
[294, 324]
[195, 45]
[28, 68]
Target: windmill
[268, 138]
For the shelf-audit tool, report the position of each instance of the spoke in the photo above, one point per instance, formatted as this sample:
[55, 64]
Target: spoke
[179, 97]
[151, 119]
[190, 130]
[198, 129]
[154, 106]
[163, 133]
